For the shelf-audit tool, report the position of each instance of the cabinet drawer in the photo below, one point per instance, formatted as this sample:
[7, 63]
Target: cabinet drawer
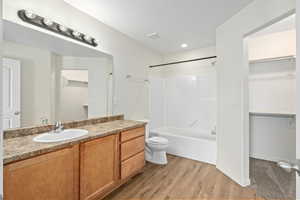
[130, 134]
[132, 165]
[132, 147]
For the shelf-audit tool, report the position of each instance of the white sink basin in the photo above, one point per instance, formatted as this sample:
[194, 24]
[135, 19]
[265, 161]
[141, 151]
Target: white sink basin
[62, 136]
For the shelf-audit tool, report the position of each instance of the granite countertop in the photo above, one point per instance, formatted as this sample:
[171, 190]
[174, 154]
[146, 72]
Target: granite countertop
[24, 147]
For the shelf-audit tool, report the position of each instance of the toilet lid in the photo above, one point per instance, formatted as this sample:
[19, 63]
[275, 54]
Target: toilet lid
[158, 140]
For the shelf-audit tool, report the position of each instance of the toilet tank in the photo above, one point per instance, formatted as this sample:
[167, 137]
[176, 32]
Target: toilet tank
[147, 131]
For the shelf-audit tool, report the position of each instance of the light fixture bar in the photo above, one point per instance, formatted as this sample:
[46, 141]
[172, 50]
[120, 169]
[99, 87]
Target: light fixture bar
[46, 23]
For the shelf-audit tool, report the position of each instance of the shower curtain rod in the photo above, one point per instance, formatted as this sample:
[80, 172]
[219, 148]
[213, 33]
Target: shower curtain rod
[183, 61]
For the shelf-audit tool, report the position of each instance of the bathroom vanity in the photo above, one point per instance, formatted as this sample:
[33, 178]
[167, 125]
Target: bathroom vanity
[85, 168]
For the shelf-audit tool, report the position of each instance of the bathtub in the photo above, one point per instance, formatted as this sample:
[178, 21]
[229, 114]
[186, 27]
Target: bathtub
[195, 145]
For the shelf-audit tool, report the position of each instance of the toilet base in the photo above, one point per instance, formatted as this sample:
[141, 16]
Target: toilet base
[158, 157]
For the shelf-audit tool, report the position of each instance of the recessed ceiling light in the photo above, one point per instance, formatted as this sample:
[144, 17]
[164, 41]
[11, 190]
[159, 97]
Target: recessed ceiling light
[184, 45]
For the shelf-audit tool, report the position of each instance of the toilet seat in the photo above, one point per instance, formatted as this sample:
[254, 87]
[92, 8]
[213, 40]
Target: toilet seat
[157, 140]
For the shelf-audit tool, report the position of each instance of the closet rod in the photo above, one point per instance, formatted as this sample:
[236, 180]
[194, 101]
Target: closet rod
[263, 60]
[183, 61]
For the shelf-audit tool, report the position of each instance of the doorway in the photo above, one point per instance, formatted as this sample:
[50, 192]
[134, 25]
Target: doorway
[272, 108]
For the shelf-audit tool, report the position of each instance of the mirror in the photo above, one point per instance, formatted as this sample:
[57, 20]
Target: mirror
[48, 79]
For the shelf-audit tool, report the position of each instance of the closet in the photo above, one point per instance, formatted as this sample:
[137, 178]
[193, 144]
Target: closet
[272, 106]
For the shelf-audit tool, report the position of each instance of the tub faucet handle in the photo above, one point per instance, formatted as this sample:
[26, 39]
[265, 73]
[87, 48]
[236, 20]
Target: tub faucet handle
[214, 130]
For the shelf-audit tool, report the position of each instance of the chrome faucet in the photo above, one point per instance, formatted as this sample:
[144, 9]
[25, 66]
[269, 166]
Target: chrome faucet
[58, 127]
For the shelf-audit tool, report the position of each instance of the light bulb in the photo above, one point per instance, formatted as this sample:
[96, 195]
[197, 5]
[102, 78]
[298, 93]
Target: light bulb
[88, 38]
[95, 41]
[29, 14]
[62, 28]
[76, 34]
[48, 22]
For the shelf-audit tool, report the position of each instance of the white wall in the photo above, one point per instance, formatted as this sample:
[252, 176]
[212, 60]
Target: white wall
[272, 87]
[272, 138]
[264, 46]
[1, 133]
[232, 73]
[129, 56]
[35, 82]
[191, 54]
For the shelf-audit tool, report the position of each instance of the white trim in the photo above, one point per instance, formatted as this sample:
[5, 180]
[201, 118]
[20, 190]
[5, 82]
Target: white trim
[298, 95]
[1, 131]
[292, 57]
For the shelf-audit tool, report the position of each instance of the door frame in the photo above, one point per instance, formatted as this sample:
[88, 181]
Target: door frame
[1, 93]
[232, 73]
[297, 93]
[246, 86]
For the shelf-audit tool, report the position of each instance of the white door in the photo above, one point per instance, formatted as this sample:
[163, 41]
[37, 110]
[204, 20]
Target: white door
[11, 93]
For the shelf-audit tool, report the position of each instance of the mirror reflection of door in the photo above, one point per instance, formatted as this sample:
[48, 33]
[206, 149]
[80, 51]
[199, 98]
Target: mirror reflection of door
[11, 93]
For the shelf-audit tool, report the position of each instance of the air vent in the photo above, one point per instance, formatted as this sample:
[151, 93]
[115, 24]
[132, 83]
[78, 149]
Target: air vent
[153, 36]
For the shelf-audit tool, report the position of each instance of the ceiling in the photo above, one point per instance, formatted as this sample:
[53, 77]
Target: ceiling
[193, 22]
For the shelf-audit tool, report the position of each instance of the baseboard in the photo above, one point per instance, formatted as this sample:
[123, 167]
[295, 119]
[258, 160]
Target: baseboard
[267, 158]
[247, 182]
[210, 162]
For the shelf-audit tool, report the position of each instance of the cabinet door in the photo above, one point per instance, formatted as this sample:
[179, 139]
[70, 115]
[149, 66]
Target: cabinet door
[52, 176]
[99, 167]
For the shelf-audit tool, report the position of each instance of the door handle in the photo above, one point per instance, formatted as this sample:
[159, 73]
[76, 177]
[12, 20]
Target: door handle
[17, 113]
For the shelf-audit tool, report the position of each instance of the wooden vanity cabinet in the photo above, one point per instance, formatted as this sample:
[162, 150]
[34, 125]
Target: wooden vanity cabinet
[99, 167]
[47, 177]
[87, 171]
[132, 152]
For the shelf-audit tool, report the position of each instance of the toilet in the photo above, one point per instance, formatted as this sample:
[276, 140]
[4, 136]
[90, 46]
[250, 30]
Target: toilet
[156, 147]
[156, 150]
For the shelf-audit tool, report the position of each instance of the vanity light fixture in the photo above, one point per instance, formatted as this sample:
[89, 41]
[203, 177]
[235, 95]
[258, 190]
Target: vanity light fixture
[34, 19]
